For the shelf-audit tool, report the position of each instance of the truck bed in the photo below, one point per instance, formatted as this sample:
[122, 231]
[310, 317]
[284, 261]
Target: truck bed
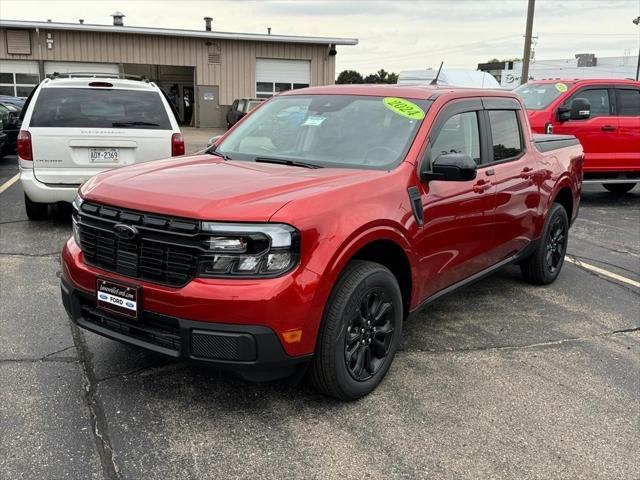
[546, 143]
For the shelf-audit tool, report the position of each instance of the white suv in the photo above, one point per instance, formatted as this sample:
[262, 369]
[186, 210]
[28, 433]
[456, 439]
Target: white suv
[74, 128]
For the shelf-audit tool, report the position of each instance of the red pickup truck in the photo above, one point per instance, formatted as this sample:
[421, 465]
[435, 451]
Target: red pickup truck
[310, 230]
[604, 114]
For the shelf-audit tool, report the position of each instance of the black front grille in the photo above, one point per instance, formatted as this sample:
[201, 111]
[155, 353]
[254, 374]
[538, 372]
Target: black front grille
[165, 250]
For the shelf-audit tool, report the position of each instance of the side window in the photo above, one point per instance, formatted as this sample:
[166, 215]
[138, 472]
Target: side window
[505, 132]
[241, 106]
[234, 106]
[628, 102]
[460, 134]
[599, 100]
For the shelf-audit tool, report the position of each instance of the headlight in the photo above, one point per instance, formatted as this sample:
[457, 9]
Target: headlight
[250, 250]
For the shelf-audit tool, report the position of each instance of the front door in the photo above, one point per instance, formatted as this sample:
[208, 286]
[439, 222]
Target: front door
[458, 216]
[628, 112]
[598, 134]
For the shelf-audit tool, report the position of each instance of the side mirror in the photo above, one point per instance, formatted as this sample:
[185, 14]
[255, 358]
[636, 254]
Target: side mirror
[564, 113]
[453, 167]
[580, 109]
[213, 140]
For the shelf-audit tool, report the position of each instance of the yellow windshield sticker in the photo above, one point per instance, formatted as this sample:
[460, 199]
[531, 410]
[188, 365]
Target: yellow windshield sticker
[404, 107]
[561, 87]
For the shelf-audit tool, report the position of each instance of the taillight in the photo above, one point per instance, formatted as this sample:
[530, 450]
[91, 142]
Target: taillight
[177, 145]
[23, 145]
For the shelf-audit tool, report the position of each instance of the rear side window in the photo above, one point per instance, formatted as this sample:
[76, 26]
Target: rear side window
[93, 108]
[599, 100]
[628, 102]
[459, 134]
[505, 131]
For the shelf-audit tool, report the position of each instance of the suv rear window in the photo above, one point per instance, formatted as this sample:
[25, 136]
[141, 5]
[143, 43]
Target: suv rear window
[90, 107]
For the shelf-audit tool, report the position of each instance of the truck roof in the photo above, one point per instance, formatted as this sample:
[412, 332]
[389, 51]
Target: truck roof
[422, 92]
[587, 80]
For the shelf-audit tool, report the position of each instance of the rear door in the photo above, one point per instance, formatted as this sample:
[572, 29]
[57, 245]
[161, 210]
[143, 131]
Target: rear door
[78, 132]
[598, 134]
[458, 216]
[516, 176]
[628, 112]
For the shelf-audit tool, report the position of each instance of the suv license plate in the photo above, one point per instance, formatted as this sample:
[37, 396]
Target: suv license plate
[104, 155]
[118, 297]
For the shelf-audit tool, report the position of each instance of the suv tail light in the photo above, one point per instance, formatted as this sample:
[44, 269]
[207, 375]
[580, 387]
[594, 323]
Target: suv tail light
[23, 145]
[177, 145]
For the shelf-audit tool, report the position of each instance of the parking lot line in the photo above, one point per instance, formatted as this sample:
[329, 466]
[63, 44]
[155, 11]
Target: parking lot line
[601, 271]
[9, 182]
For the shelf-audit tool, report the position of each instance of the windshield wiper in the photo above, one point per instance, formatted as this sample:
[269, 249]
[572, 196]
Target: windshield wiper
[284, 161]
[212, 151]
[134, 124]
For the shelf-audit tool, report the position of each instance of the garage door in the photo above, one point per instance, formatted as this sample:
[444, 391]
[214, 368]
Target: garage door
[78, 67]
[273, 76]
[18, 78]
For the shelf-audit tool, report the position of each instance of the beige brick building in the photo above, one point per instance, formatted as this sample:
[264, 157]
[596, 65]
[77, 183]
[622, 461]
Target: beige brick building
[203, 71]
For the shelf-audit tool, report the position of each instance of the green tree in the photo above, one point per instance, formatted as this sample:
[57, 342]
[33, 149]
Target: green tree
[349, 76]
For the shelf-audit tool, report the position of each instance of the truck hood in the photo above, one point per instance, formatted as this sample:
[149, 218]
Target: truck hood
[208, 188]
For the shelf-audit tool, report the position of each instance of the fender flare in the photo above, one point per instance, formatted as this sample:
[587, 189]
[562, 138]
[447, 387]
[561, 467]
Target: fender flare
[345, 252]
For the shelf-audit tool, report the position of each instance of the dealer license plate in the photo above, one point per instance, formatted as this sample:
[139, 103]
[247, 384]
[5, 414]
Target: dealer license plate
[104, 155]
[118, 297]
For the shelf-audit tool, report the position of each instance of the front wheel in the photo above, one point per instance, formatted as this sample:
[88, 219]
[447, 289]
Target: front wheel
[544, 265]
[619, 188]
[361, 332]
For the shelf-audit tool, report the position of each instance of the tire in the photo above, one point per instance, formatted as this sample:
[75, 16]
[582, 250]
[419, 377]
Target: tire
[544, 265]
[619, 188]
[35, 211]
[353, 356]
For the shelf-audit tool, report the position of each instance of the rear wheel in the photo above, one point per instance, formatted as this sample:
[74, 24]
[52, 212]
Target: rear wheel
[544, 265]
[35, 211]
[361, 332]
[619, 188]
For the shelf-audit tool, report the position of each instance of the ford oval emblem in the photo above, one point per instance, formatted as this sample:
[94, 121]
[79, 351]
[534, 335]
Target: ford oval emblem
[124, 231]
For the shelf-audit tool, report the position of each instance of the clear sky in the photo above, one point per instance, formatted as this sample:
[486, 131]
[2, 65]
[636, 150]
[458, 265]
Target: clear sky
[393, 34]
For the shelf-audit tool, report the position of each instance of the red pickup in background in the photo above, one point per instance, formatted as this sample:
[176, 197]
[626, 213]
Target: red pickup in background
[604, 114]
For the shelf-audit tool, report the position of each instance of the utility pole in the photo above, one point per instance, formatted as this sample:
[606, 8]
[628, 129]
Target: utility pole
[526, 58]
[636, 21]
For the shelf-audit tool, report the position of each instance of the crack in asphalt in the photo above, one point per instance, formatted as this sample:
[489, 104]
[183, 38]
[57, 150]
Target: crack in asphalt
[45, 358]
[523, 347]
[14, 254]
[42, 359]
[106, 452]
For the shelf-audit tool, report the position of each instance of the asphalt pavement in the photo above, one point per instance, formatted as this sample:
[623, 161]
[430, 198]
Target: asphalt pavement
[499, 380]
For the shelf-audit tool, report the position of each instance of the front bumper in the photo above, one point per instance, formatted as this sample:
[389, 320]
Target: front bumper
[253, 352]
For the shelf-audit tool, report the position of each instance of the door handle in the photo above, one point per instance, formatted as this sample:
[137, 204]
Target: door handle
[608, 128]
[481, 186]
[526, 172]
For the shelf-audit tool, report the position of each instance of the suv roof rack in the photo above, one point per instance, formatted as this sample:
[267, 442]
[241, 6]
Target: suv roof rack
[124, 76]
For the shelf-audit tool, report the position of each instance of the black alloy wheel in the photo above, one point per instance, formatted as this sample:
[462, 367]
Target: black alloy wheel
[361, 332]
[556, 245]
[369, 334]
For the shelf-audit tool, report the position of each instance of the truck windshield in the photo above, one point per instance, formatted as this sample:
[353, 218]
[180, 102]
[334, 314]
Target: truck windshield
[538, 96]
[344, 131]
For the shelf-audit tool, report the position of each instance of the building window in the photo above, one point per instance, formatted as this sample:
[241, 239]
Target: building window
[268, 89]
[18, 84]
